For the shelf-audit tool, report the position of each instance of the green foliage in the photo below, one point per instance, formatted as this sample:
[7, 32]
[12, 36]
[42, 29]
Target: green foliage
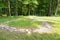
[29, 7]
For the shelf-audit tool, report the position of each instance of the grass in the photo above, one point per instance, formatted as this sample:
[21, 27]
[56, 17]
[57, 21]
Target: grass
[4, 35]
[4, 19]
[20, 21]
[26, 22]
[9, 18]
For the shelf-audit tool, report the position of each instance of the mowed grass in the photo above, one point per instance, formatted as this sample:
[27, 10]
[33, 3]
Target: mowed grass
[5, 19]
[20, 21]
[32, 21]
[4, 35]
[26, 22]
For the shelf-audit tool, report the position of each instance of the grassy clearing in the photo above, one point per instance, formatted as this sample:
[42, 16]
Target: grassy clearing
[20, 21]
[24, 23]
[4, 19]
[34, 36]
[27, 21]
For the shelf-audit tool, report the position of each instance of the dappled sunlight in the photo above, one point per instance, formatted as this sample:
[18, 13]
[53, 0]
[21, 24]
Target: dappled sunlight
[32, 17]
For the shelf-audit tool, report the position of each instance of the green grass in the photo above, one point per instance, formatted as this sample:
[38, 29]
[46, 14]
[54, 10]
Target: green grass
[4, 19]
[24, 23]
[4, 35]
[20, 21]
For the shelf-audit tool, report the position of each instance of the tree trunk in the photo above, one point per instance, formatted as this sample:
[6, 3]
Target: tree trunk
[9, 14]
[0, 12]
[49, 9]
[57, 2]
[28, 9]
[16, 14]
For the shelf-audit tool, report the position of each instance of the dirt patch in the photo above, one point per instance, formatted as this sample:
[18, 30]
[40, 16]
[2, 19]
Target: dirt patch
[45, 28]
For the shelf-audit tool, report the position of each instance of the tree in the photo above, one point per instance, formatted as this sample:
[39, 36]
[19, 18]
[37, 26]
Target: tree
[16, 2]
[30, 5]
[56, 10]
[9, 14]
